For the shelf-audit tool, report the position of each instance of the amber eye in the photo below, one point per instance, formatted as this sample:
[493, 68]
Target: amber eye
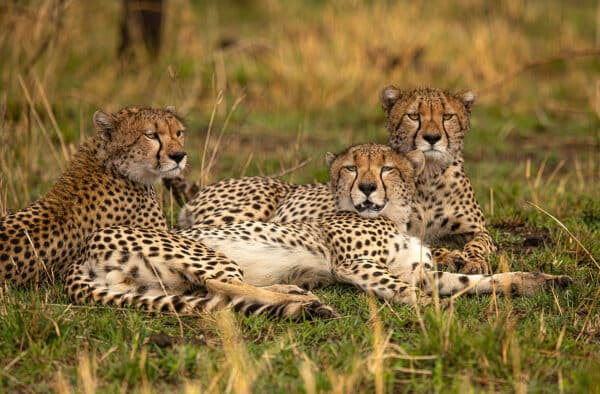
[151, 135]
[447, 116]
[179, 133]
[413, 116]
[387, 169]
[350, 168]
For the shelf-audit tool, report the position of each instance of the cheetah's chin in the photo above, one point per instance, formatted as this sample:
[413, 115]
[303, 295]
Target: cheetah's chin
[432, 151]
[368, 207]
[172, 173]
[436, 155]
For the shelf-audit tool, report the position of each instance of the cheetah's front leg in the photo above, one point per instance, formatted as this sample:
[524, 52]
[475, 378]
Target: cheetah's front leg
[473, 259]
[375, 279]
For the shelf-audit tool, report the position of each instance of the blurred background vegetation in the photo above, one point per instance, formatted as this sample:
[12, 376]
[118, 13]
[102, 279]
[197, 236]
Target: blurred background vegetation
[268, 87]
[295, 78]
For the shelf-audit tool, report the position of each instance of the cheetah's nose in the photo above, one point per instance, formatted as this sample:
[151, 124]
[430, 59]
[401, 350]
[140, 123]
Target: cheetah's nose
[367, 188]
[432, 138]
[177, 156]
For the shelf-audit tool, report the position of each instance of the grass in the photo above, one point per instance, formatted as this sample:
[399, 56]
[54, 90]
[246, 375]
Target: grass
[304, 79]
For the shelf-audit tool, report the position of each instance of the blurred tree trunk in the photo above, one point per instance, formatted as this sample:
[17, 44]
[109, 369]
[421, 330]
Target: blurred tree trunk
[141, 24]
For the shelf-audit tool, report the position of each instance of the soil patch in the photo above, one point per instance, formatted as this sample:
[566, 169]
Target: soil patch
[517, 236]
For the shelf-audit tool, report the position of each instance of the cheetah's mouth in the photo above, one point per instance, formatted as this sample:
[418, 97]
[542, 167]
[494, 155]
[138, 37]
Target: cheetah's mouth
[171, 172]
[369, 206]
[431, 150]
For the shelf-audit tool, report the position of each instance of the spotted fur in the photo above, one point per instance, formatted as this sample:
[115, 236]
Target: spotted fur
[107, 182]
[159, 271]
[435, 122]
[444, 209]
[366, 244]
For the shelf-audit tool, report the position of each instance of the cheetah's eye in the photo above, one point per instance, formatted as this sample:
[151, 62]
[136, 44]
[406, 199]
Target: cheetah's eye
[447, 116]
[350, 168]
[387, 169]
[179, 133]
[151, 135]
[413, 116]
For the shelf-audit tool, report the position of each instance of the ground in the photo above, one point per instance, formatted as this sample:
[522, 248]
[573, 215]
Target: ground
[298, 81]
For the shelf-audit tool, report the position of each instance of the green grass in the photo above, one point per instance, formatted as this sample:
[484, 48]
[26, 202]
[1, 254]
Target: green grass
[308, 77]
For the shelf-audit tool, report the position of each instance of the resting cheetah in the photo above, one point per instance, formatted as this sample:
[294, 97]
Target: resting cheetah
[445, 209]
[366, 244]
[161, 271]
[435, 122]
[252, 198]
[107, 182]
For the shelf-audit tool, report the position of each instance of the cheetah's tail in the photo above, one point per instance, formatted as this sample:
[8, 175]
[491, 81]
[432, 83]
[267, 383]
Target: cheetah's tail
[254, 302]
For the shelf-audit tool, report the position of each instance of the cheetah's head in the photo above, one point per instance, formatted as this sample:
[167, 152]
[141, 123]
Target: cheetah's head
[431, 120]
[375, 180]
[144, 144]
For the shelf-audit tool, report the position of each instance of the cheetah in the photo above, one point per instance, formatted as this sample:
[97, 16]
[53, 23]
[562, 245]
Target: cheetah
[444, 210]
[250, 198]
[107, 182]
[161, 271]
[435, 122]
[365, 244]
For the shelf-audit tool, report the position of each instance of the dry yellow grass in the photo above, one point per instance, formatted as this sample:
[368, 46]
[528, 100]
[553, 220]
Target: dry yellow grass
[59, 62]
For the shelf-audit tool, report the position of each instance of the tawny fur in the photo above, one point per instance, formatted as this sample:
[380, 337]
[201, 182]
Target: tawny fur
[444, 207]
[107, 182]
[367, 245]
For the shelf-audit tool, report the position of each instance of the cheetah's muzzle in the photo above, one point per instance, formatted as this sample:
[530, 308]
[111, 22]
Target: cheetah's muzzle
[369, 206]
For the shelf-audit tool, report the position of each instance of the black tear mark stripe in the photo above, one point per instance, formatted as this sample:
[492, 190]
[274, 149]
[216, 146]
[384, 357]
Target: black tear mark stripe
[368, 161]
[355, 173]
[399, 124]
[414, 144]
[381, 178]
[418, 127]
[160, 145]
[444, 125]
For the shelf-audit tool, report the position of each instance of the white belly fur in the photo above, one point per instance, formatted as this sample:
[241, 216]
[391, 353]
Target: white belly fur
[266, 264]
[403, 259]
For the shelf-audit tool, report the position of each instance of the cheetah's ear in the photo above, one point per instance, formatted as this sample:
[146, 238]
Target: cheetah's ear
[389, 95]
[105, 124]
[329, 158]
[417, 159]
[171, 109]
[468, 99]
